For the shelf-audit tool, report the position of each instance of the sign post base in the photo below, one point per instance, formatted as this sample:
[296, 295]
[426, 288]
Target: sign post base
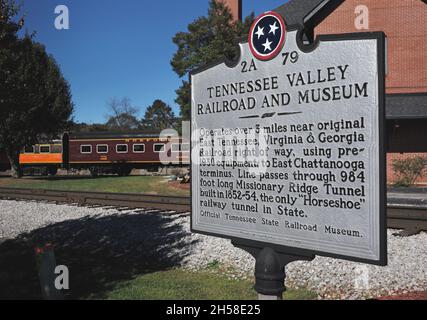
[270, 269]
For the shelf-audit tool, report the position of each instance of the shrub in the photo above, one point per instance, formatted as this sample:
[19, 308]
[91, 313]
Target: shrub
[409, 170]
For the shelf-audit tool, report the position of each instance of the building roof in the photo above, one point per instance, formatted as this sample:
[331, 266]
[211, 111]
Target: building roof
[113, 135]
[307, 13]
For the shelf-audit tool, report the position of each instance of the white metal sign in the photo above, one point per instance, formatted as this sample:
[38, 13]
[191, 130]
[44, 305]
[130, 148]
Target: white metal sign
[289, 151]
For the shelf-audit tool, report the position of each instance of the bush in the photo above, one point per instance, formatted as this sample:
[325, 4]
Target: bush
[409, 170]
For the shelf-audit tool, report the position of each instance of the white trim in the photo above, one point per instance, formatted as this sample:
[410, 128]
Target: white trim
[32, 152]
[120, 145]
[101, 145]
[138, 144]
[158, 144]
[85, 145]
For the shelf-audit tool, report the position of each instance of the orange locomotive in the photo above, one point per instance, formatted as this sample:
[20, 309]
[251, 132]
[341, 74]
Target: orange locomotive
[47, 157]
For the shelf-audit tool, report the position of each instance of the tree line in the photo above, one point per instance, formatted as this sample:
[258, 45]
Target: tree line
[123, 116]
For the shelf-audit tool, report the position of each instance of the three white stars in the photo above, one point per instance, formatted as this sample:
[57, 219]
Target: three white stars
[260, 33]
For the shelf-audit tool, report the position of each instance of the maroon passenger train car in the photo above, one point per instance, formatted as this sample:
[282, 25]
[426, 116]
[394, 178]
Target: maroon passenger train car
[119, 153]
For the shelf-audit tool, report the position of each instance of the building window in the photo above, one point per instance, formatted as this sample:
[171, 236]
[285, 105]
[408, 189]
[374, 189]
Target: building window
[139, 148]
[102, 148]
[30, 149]
[87, 149]
[44, 149]
[122, 148]
[159, 147]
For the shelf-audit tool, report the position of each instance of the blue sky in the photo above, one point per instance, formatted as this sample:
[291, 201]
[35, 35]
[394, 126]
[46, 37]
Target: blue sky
[119, 48]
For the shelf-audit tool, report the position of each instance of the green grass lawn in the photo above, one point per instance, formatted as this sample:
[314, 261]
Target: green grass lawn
[179, 284]
[133, 184]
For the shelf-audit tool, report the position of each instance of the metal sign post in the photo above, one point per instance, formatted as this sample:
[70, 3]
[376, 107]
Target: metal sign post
[288, 157]
[270, 268]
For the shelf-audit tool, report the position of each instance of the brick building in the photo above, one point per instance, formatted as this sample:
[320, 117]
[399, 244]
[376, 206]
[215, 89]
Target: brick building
[405, 25]
[235, 8]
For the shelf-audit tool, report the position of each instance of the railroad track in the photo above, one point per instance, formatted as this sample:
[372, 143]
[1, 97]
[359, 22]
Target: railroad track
[412, 219]
[409, 216]
[129, 201]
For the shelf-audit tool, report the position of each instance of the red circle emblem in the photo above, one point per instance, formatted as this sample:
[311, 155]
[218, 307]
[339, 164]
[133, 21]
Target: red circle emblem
[267, 36]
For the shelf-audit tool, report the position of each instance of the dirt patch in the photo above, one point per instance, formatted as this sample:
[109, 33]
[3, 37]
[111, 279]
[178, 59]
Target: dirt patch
[407, 296]
[178, 185]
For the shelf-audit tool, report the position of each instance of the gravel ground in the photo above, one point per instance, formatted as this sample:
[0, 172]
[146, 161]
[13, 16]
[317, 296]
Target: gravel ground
[330, 278]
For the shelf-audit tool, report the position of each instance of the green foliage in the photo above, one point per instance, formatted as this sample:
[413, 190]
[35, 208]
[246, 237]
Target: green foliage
[8, 24]
[133, 184]
[183, 99]
[85, 127]
[208, 39]
[179, 284]
[213, 265]
[35, 99]
[409, 170]
[159, 116]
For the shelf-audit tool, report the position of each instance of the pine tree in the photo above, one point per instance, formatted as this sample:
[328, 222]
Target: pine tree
[8, 26]
[159, 116]
[35, 99]
[207, 40]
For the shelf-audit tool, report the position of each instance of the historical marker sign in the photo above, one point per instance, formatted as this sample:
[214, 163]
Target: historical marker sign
[288, 144]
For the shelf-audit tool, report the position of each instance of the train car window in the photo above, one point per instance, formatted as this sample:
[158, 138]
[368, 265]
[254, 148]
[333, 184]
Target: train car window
[159, 147]
[44, 149]
[102, 148]
[139, 148]
[86, 149]
[122, 148]
[30, 149]
[185, 147]
[57, 148]
[176, 147]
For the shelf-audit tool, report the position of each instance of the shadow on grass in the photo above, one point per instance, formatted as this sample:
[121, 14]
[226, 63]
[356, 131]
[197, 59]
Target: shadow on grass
[99, 252]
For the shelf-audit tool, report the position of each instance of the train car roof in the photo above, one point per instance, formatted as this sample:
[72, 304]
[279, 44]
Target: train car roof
[114, 135]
